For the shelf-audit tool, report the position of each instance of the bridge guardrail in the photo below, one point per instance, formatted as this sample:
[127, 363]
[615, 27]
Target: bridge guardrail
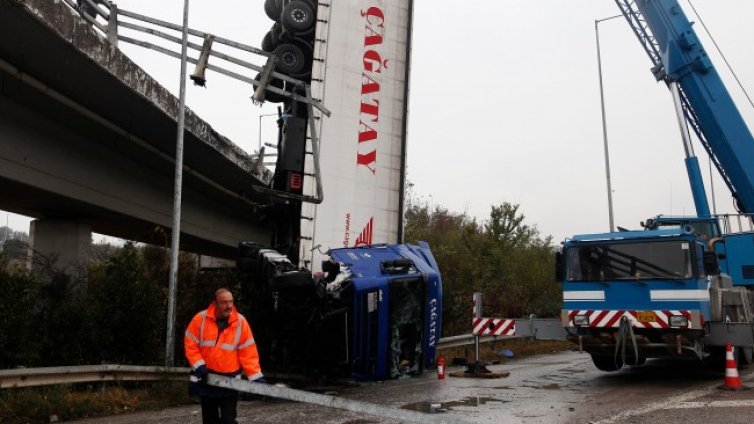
[46, 376]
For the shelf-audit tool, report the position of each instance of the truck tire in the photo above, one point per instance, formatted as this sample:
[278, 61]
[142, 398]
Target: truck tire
[272, 38]
[292, 60]
[269, 96]
[607, 362]
[745, 355]
[273, 9]
[298, 17]
[269, 42]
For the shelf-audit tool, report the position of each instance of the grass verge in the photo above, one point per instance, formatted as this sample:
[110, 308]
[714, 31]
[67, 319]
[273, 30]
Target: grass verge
[67, 402]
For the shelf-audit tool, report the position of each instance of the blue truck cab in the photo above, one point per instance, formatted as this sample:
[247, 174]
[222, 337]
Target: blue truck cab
[676, 289]
[650, 285]
[397, 304]
[373, 313]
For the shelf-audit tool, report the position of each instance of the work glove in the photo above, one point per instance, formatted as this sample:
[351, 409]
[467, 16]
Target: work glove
[201, 372]
[260, 380]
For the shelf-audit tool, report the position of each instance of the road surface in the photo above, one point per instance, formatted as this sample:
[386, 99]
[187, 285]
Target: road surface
[561, 387]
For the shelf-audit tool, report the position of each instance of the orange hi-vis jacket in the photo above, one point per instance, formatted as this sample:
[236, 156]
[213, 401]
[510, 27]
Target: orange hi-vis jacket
[231, 351]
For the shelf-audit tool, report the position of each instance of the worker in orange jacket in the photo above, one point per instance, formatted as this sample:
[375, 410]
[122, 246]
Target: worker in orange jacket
[219, 340]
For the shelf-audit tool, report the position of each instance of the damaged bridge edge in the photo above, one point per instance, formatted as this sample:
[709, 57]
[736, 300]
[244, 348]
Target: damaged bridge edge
[63, 21]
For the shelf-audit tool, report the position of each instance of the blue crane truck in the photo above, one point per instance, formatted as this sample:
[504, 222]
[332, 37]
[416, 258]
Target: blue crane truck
[374, 312]
[681, 287]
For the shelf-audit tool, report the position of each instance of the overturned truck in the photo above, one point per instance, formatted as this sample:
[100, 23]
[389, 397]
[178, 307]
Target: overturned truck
[374, 312]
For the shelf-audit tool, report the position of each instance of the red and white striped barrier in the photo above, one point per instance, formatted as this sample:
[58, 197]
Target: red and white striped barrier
[489, 326]
[493, 327]
[638, 319]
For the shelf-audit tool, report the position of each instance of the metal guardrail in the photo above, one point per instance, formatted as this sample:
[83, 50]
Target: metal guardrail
[467, 339]
[46, 376]
[540, 328]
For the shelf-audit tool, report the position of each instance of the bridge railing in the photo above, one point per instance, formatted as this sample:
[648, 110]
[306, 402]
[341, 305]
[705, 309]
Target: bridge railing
[114, 17]
[158, 30]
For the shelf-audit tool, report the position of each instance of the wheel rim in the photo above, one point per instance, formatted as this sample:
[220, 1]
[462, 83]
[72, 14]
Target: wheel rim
[298, 15]
[289, 58]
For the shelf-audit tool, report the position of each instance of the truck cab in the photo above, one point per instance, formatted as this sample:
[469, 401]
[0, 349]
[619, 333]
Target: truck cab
[374, 313]
[679, 288]
[631, 284]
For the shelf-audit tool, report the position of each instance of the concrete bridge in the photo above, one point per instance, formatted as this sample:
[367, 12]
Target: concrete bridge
[87, 143]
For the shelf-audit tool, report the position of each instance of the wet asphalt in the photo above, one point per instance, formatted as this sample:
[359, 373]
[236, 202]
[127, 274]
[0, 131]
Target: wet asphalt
[562, 387]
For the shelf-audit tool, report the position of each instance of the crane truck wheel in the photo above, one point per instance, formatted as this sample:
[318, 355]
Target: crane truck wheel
[607, 362]
[745, 356]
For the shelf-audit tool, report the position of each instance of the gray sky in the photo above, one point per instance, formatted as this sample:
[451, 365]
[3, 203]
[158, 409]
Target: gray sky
[504, 105]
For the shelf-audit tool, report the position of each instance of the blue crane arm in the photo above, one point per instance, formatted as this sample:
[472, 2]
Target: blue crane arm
[678, 56]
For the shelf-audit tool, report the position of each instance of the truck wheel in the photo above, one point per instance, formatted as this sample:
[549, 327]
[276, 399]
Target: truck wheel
[268, 42]
[273, 9]
[269, 96]
[291, 59]
[298, 17]
[607, 363]
[716, 359]
[745, 355]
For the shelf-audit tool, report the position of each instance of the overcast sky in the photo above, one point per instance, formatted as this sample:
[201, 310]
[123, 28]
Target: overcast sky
[504, 105]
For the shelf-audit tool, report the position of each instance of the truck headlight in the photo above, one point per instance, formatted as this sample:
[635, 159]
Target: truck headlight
[581, 320]
[679, 321]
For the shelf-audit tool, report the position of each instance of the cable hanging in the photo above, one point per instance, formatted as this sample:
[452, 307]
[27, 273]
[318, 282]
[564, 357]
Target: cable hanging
[721, 53]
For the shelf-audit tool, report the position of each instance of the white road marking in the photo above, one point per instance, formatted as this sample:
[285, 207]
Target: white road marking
[715, 404]
[677, 402]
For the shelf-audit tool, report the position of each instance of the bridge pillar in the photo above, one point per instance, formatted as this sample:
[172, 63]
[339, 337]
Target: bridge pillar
[61, 244]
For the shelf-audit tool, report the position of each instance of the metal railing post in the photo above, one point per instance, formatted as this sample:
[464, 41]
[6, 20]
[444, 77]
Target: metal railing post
[476, 313]
[112, 25]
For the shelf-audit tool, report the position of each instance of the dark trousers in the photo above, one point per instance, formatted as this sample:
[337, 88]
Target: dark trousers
[219, 410]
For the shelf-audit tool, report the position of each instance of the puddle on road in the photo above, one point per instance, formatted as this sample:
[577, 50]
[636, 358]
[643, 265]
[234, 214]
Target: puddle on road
[545, 363]
[574, 370]
[551, 386]
[440, 407]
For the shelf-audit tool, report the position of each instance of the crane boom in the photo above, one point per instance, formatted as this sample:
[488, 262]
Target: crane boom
[678, 57]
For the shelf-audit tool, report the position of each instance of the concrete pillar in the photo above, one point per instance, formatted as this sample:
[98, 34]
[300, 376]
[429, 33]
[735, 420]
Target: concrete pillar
[61, 244]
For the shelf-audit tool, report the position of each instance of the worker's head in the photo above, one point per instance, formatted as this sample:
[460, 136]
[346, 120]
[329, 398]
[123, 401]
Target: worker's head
[223, 303]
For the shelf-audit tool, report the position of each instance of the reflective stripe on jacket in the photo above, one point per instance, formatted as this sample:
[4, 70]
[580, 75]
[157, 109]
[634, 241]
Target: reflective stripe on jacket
[229, 352]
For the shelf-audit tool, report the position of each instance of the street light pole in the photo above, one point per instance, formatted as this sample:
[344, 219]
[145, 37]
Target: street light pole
[176, 229]
[260, 128]
[604, 124]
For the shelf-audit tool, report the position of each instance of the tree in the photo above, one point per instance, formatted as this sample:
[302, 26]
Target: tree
[503, 257]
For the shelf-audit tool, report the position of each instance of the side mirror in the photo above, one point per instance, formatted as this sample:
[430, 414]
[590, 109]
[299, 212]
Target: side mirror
[711, 266]
[559, 271]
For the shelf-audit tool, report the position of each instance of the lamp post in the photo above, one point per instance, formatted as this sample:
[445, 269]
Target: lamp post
[260, 128]
[604, 124]
[176, 229]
